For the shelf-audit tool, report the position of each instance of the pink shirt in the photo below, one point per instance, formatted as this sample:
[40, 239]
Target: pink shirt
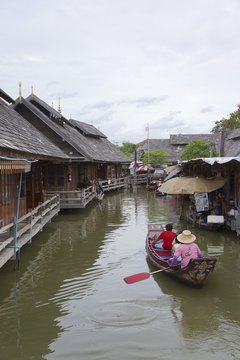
[187, 252]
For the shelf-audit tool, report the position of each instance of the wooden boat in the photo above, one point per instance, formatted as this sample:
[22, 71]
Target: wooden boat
[201, 223]
[153, 185]
[194, 274]
[159, 193]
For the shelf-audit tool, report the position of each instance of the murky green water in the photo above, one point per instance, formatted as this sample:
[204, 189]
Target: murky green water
[69, 300]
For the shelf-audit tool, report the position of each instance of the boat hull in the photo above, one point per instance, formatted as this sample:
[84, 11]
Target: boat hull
[202, 224]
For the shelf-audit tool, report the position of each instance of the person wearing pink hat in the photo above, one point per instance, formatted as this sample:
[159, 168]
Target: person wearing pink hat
[186, 249]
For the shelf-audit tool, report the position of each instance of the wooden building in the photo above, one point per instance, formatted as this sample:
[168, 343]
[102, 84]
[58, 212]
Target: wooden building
[227, 168]
[21, 145]
[91, 156]
[23, 211]
[176, 143]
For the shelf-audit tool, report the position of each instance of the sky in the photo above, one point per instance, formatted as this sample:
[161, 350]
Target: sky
[126, 66]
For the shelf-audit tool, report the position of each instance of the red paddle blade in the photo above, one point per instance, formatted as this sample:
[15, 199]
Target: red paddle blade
[136, 277]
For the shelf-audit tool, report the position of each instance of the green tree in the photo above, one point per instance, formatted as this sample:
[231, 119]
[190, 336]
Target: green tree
[156, 157]
[232, 122]
[128, 149]
[197, 149]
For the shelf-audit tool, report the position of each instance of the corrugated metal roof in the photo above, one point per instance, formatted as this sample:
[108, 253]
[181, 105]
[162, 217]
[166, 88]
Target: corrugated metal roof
[173, 173]
[213, 160]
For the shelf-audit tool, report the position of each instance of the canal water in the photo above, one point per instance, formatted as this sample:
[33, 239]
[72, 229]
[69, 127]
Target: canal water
[68, 300]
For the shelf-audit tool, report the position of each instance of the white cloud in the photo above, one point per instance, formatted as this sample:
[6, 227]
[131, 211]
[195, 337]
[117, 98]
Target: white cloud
[33, 58]
[124, 64]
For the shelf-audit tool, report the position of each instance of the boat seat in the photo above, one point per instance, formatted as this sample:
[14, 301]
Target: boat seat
[160, 249]
[163, 252]
[165, 258]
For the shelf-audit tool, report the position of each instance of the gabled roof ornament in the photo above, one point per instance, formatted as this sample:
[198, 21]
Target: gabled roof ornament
[20, 91]
[32, 90]
[59, 106]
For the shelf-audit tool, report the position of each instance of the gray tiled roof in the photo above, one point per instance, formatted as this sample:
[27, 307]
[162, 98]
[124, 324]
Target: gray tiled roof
[154, 144]
[87, 129]
[6, 97]
[93, 148]
[16, 134]
[53, 125]
[184, 139]
[176, 143]
[99, 146]
[234, 134]
[232, 143]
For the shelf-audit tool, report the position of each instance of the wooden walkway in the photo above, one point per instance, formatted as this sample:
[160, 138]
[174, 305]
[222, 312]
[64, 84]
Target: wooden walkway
[78, 199]
[18, 233]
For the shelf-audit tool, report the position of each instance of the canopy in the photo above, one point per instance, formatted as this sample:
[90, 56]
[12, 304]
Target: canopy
[177, 169]
[191, 185]
[137, 163]
[168, 169]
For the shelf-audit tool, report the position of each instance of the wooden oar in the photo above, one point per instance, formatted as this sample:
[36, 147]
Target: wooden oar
[141, 276]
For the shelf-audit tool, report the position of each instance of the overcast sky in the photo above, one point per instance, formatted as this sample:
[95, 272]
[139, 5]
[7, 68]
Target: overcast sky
[123, 64]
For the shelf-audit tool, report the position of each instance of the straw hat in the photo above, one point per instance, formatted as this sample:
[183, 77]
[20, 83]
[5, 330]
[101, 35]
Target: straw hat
[186, 237]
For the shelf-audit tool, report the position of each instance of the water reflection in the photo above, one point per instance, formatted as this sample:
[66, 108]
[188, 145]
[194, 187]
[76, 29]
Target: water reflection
[60, 265]
[69, 299]
[200, 312]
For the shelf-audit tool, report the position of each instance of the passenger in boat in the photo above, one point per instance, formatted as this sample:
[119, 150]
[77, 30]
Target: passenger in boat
[166, 238]
[175, 245]
[186, 250]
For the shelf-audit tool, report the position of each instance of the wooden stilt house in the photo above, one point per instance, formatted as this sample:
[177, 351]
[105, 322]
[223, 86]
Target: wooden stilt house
[22, 147]
[92, 156]
[23, 213]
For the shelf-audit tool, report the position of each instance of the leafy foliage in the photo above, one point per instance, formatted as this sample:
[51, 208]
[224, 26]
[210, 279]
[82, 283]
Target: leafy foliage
[128, 149]
[233, 122]
[156, 157]
[198, 149]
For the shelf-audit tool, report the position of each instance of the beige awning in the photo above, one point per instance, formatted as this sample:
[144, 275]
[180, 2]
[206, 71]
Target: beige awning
[191, 185]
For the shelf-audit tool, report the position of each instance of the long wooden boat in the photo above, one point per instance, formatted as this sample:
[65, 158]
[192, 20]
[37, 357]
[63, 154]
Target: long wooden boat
[194, 274]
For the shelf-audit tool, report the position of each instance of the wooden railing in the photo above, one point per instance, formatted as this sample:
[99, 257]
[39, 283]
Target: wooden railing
[80, 198]
[19, 232]
[77, 199]
[138, 179]
[113, 184]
